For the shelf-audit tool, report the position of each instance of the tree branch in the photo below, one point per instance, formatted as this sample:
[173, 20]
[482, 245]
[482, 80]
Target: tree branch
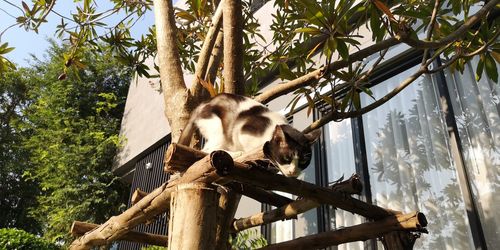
[307, 79]
[215, 58]
[431, 27]
[233, 48]
[455, 35]
[334, 114]
[44, 15]
[206, 50]
[178, 103]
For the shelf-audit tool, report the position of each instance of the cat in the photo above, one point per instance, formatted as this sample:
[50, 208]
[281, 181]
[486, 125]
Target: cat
[239, 124]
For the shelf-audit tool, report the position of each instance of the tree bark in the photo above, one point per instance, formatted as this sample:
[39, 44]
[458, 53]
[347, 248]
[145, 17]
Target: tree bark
[206, 50]
[228, 203]
[193, 225]
[233, 47]
[215, 58]
[399, 240]
[177, 99]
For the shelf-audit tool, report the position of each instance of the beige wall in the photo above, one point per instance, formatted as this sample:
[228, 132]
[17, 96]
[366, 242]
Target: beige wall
[143, 121]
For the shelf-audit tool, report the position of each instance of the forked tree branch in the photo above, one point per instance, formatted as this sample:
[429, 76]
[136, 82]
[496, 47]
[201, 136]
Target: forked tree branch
[178, 103]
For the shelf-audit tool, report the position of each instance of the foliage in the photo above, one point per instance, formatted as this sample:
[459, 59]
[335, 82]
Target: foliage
[301, 30]
[73, 126]
[17, 194]
[5, 64]
[11, 238]
[248, 239]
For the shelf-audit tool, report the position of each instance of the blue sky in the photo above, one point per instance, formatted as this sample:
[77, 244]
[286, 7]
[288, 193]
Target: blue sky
[28, 42]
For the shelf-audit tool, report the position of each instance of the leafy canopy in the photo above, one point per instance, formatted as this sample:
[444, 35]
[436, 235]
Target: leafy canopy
[58, 140]
[305, 35]
[11, 238]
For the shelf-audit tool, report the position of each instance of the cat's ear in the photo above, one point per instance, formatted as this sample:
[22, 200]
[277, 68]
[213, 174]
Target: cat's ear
[313, 136]
[278, 134]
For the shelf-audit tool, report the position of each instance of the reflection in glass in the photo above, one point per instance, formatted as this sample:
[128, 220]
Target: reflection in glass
[476, 106]
[410, 165]
[340, 160]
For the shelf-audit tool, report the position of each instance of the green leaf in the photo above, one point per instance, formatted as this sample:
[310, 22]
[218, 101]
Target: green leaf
[186, 16]
[308, 30]
[491, 67]
[479, 69]
[345, 101]
[343, 49]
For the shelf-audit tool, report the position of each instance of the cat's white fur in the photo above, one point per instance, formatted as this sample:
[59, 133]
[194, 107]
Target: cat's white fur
[211, 129]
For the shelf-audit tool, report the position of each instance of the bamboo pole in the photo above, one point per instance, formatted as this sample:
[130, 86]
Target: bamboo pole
[137, 196]
[290, 211]
[260, 195]
[255, 176]
[153, 204]
[192, 222]
[79, 228]
[406, 222]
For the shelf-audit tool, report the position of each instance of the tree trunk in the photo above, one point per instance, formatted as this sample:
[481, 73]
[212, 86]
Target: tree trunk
[228, 203]
[233, 47]
[193, 225]
[177, 98]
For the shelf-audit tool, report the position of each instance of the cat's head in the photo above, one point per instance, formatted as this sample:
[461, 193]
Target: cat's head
[290, 150]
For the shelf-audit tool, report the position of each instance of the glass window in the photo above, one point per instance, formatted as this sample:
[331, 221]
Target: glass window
[340, 159]
[476, 106]
[410, 164]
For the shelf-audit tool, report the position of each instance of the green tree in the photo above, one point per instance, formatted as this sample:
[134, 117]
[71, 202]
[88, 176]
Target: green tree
[17, 194]
[73, 127]
[15, 239]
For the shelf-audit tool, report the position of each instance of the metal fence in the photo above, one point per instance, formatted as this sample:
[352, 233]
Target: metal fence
[149, 175]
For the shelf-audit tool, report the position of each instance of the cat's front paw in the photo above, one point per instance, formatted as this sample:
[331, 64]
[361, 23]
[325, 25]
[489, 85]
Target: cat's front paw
[235, 154]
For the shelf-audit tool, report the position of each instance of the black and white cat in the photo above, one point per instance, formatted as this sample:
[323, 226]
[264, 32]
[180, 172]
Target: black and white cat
[239, 124]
